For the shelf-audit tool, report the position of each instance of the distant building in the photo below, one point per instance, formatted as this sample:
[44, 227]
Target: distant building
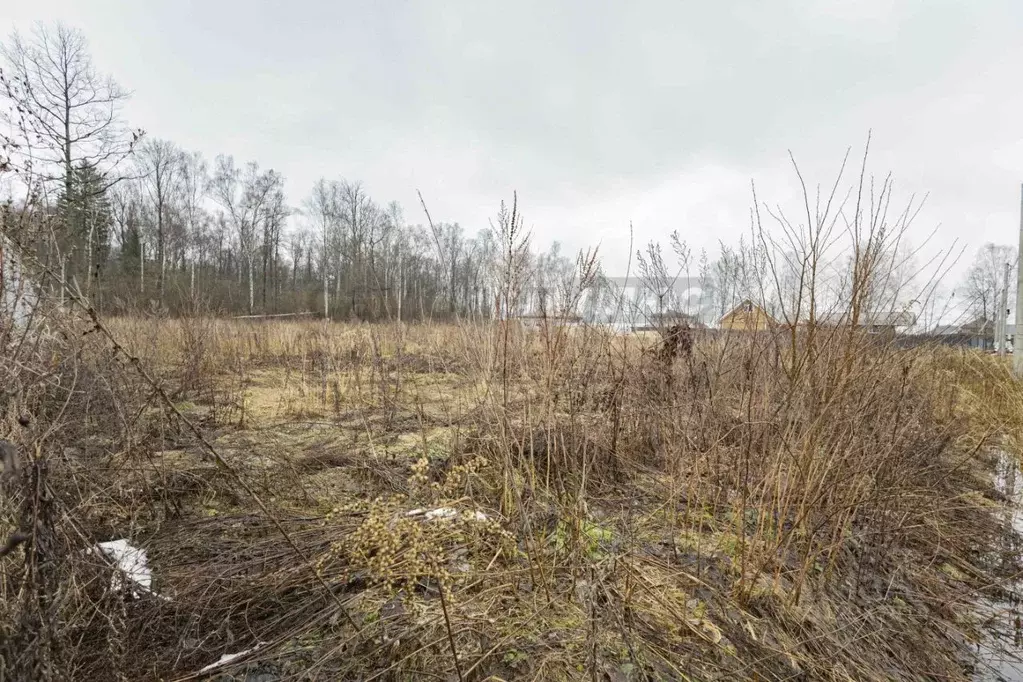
[747, 317]
[632, 303]
[978, 333]
[884, 322]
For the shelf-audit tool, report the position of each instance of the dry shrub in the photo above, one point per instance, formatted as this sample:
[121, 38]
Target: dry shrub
[741, 519]
[832, 481]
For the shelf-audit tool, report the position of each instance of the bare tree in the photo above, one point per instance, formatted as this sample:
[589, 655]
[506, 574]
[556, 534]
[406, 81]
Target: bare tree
[323, 208]
[300, 246]
[70, 114]
[250, 199]
[194, 186]
[68, 105]
[354, 206]
[450, 247]
[983, 280]
[159, 163]
[273, 216]
[391, 224]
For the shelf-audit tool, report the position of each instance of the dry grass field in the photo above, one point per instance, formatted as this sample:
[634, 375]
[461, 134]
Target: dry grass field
[475, 502]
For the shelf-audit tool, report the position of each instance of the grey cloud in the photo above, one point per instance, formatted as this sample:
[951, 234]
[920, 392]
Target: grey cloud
[597, 112]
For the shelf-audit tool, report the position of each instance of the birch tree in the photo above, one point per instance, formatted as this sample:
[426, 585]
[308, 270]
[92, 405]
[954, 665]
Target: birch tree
[248, 197]
[194, 186]
[159, 164]
[323, 209]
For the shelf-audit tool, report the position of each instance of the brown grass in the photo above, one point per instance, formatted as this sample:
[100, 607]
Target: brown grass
[769, 507]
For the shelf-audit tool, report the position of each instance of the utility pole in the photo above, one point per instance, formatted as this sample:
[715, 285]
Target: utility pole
[1003, 314]
[1017, 351]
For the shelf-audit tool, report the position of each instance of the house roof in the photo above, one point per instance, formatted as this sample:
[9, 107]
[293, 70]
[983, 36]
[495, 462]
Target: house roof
[746, 304]
[888, 318]
[976, 326]
[979, 324]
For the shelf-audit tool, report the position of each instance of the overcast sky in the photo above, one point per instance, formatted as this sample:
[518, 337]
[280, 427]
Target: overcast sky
[598, 113]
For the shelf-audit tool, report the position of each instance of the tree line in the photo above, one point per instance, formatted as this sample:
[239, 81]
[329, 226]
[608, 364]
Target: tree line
[137, 221]
[134, 220]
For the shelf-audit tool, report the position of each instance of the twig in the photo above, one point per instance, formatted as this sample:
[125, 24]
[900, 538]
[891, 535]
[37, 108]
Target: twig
[451, 636]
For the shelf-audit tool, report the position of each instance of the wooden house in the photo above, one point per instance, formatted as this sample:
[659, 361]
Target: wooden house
[747, 317]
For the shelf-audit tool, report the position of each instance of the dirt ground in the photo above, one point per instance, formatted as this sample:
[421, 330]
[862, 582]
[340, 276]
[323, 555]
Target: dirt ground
[453, 503]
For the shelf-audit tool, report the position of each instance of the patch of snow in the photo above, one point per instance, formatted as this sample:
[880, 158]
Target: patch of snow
[446, 513]
[227, 658]
[441, 513]
[131, 562]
